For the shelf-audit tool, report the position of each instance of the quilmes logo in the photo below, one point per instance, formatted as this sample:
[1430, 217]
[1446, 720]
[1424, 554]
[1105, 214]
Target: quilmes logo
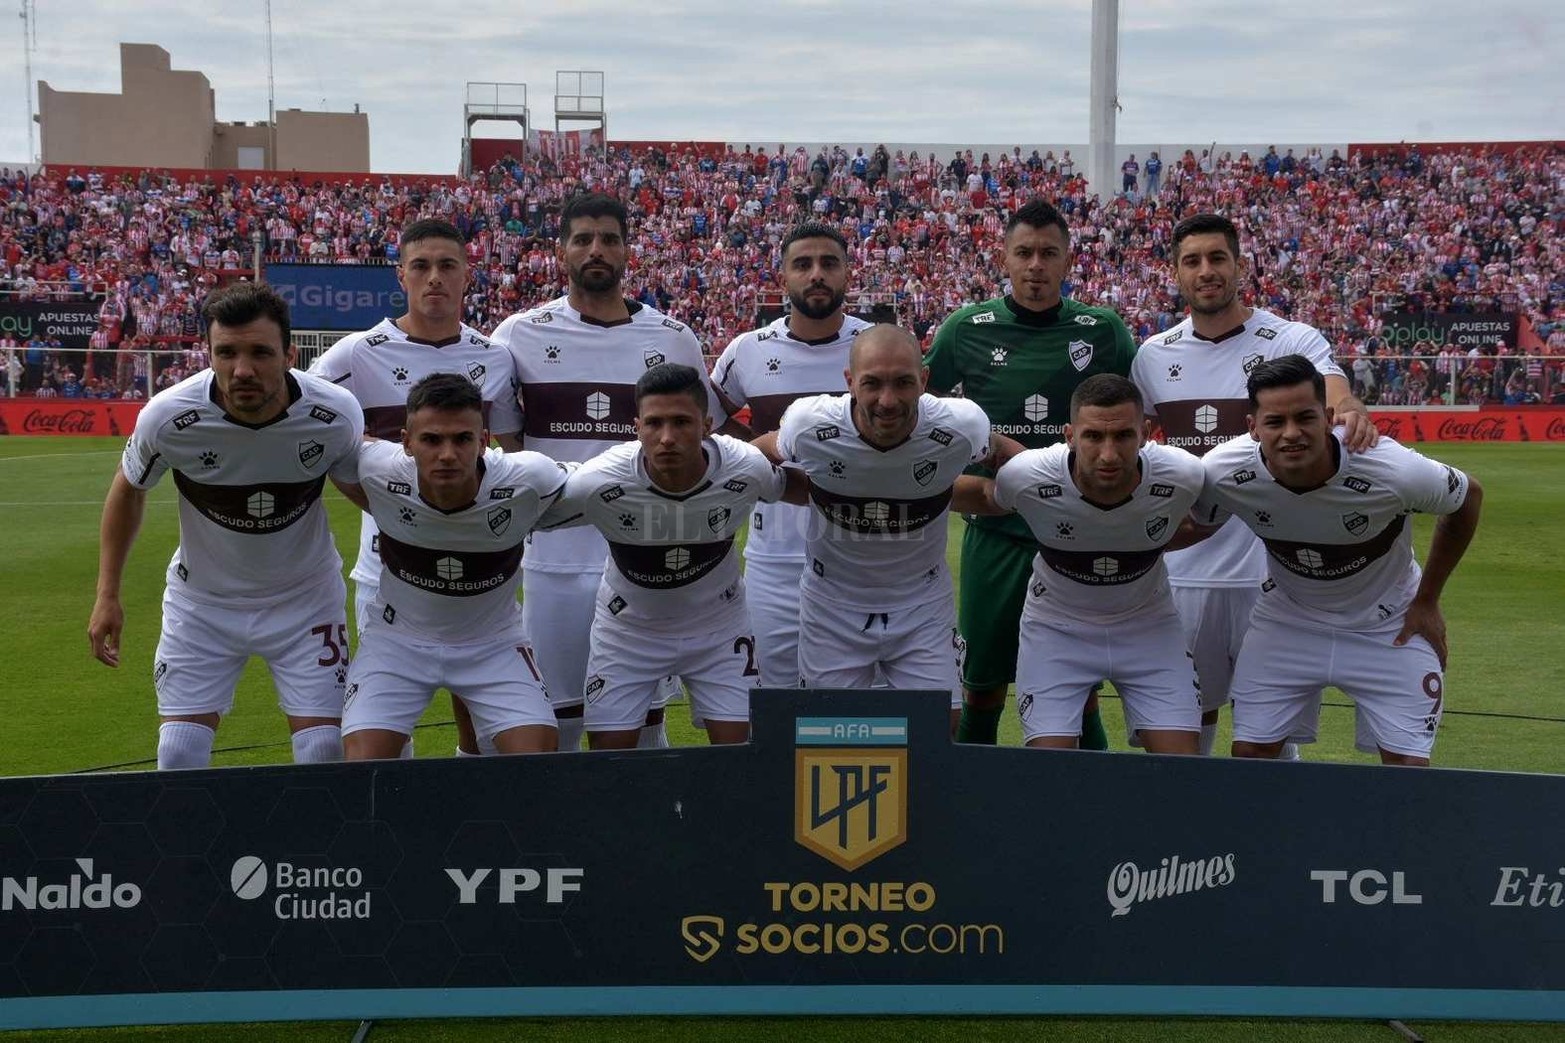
[302, 892]
[81, 890]
[1130, 884]
[850, 787]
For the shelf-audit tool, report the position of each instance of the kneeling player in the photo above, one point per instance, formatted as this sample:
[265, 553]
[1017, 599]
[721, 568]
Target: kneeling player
[452, 521]
[1346, 604]
[1104, 507]
[671, 600]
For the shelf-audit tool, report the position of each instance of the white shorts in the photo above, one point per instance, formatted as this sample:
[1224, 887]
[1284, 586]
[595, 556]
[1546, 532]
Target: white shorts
[557, 610]
[203, 649]
[364, 597]
[1214, 621]
[1060, 660]
[629, 668]
[1398, 692]
[772, 589]
[913, 646]
[395, 674]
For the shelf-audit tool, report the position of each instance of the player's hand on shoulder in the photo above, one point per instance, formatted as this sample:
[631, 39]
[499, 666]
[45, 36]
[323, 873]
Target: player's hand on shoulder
[1359, 430]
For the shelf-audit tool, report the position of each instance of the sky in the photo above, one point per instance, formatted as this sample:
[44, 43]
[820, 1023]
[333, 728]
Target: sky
[849, 70]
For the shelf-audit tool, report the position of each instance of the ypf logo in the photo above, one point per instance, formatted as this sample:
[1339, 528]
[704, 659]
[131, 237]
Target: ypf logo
[703, 936]
[260, 505]
[1206, 419]
[1035, 408]
[597, 405]
[850, 787]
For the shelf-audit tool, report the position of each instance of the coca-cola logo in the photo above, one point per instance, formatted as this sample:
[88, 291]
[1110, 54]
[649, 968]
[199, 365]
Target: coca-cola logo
[66, 422]
[1484, 429]
[1389, 426]
[1556, 429]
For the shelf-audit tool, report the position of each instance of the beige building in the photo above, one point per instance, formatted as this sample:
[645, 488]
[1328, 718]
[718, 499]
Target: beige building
[165, 117]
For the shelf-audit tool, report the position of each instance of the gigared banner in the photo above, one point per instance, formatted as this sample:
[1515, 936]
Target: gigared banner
[67, 416]
[1545, 424]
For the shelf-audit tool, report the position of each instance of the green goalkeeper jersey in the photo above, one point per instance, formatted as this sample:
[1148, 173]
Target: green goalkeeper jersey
[1022, 367]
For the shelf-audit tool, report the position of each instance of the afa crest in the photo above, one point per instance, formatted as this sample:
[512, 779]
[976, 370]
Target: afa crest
[850, 787]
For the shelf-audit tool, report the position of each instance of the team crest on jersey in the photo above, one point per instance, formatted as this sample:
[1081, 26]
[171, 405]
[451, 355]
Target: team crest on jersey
[595, 682]
[503, 493]
[1356, 523]
[499, 520]
[323, 414]
[1358, 485]
[1266, 334]
[476, 371]
[983, 317]
[1161, 490]
[399, 488]
[671, 324]
[374, 340]
[616, 605]
[1251, 361]
[826, 432]
[185, 419]
[653, 357]
[734, 485]
[310, 452]
[924, 471]
[717, 518]
[1171, 338]
[1241, 477]
[542, 318]
[1086, 320]
[940, 435]
[612, 493]
[1081, 354]
[1049, 492]
[1156, 527]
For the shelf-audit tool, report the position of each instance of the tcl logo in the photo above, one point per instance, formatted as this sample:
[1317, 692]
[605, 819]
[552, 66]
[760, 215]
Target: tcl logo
[1365, 887]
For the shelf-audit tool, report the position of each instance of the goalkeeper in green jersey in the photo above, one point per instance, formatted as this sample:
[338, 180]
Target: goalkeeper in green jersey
[1020, 357]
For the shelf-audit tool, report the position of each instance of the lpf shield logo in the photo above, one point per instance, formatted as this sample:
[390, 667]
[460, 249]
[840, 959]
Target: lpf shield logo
[310, 452]
[1355, 523]
[499, 520]
[1081, 354]
[924, 471]
[850, 787]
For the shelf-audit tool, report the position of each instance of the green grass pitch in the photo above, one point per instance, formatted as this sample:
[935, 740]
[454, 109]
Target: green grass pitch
[65, 712]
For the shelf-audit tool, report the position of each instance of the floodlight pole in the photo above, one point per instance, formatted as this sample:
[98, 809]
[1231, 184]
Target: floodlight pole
[271, 96]
[29, 43]
[1104, 97]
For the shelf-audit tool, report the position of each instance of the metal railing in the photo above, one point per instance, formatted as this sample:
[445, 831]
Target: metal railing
[1456, 380]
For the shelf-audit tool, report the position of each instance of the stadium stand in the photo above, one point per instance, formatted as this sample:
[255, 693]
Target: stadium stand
[1338, 242]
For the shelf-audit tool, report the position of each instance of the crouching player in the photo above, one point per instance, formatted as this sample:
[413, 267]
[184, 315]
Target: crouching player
[1104, 506]
[671, 600]
[452, 520]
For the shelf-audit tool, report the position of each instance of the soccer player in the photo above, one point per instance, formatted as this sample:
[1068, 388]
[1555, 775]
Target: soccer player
[882, 461]
[1020, 357]
[671, 600]
[1346, 604]
[578, 358]
[250, 442]
[1193, 380]
[381, 364]
[452, 518]
[803, 353]
[1103, 505]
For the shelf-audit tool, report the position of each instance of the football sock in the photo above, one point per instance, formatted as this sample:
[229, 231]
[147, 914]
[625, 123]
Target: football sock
[570, 732]
[653, 737]
[1208, 739]
[1290, 752]
[463, 753]
[317, 745]
[407, 750]
[979, 725]
[184, 744]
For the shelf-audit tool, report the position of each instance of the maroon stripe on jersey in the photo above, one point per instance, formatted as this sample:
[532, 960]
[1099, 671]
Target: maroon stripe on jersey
[1100, 568]
[766, 410]
[388, 421]
[1335, 560]
[664, 566]
[1198, 424]
[454, 573]
[592, 411]
[258, 509]
[879, 515]
[147, 471]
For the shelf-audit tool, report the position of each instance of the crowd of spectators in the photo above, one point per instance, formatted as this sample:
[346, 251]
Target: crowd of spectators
[1334, 241]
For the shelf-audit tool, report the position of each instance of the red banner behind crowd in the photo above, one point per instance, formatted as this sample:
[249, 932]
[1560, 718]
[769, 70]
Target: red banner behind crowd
[68, 416]
[1536, 424]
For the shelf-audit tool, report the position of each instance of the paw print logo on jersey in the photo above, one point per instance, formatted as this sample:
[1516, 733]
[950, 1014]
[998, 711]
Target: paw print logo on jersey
[1174, 371]
[1206, 419]
[837, 467]
[342, 675]
[551, 353]
[400, 374]
[209, 459]
[1263, 518]
[1065, 531]
[773, 365]
[627, 521]
[997, 356]
[406, 514]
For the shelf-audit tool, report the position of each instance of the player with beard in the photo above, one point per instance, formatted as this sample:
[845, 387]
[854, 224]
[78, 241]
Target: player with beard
[803, 353]
[578, 359]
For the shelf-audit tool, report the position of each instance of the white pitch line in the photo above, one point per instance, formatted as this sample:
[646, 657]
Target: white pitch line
[61, 456]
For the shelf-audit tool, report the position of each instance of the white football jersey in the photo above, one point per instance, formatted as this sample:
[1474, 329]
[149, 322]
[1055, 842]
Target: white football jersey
[1342, 553]
[380, 365]
[1196, 389]
[768, 370]
[1099, 563]
[578, 396]
[877, 532]
[671, 559]
[453, 575]
[251, 523]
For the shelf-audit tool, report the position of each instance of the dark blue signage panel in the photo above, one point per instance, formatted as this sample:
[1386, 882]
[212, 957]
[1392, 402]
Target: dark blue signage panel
[851, 860]
[343, 297]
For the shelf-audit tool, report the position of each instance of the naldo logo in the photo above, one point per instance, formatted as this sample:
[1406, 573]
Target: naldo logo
[302, 892]
[81, 890]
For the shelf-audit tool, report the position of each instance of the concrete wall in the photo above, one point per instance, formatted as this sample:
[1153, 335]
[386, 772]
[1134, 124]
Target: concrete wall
[229, 138]
[162, 117]
[335, 141]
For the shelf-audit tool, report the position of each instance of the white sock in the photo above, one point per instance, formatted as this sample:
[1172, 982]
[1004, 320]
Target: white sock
[463, 753]
[1290, 752]
[570, 731]
[1208, 739]
[407, 750]
[318, 745]
[653, 737]
[184, 744]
